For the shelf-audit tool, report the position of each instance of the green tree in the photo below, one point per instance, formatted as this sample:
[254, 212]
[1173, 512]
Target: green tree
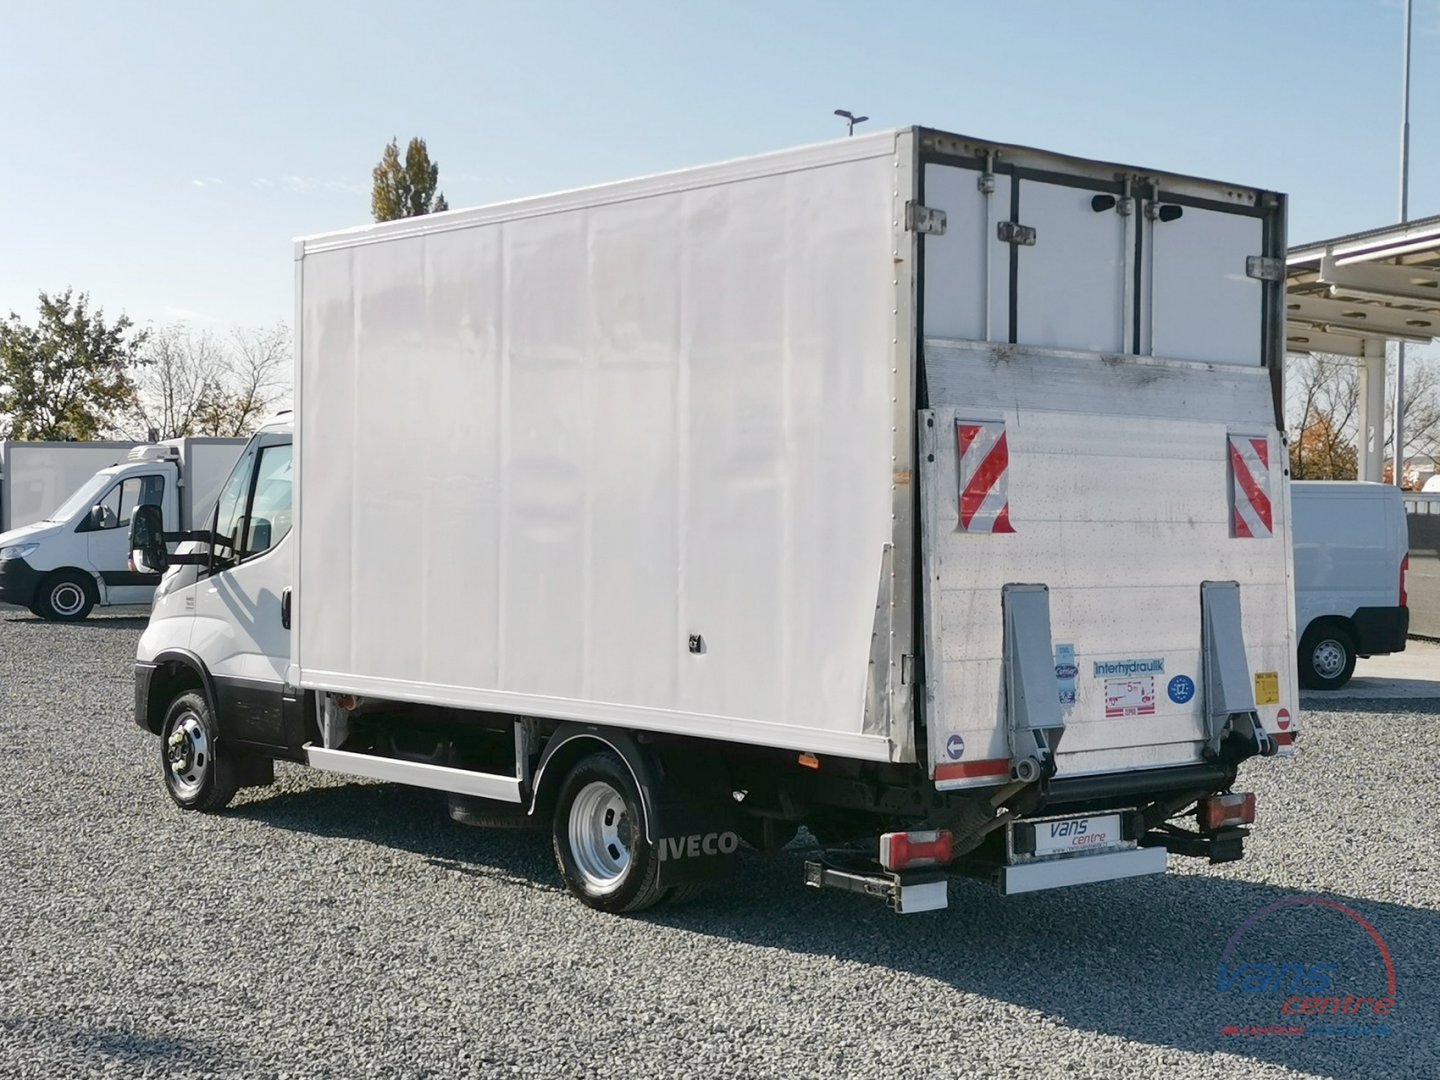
[406, 189]
[66, 377]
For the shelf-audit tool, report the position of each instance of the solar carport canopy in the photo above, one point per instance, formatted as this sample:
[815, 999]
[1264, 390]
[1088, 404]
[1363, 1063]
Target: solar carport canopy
[1383, 284]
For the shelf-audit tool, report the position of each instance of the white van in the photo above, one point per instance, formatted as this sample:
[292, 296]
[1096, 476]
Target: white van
[64, 565]
[1351, 557]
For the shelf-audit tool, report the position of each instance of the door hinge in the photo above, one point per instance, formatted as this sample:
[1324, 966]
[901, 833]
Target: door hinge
[1012, 232]
[922, 219]
[1265, 268]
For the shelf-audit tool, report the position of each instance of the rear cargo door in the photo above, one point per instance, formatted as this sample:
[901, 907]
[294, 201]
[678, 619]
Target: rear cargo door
[1060, 453]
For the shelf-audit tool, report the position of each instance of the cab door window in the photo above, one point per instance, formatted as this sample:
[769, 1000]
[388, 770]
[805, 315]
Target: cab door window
[118, 504]
[268, 521]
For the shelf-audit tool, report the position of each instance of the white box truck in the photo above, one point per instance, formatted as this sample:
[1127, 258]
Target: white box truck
[1352, 555]
[925, 491]
[78, 556]
[35, 477]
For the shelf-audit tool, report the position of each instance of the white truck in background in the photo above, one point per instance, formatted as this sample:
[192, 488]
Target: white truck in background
[1352, 554]
[923, 490]
[36, 476]
[78, 555]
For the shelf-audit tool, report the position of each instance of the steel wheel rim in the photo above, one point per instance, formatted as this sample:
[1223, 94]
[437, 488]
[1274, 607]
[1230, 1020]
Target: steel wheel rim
[67, 598]
[601, 833]
[187, 754]
[1328, 658]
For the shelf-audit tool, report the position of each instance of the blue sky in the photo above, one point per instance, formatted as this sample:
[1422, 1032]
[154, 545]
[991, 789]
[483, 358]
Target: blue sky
[162, 155]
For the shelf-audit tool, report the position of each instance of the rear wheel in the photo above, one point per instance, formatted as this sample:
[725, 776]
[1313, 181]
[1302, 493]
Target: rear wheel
[64, 596]
[599, 837]
[1327, 657]
[197, 775]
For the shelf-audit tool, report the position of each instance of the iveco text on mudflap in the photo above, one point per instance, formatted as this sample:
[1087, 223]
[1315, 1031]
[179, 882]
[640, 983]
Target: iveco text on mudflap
[925, 491]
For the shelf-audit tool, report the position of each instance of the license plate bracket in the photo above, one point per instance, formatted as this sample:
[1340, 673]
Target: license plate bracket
[1066, 836]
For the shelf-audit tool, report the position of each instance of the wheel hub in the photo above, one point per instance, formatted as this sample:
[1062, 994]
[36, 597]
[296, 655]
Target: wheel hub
[1329, 658]
[601, 834]
[67, 598]
[187, 752]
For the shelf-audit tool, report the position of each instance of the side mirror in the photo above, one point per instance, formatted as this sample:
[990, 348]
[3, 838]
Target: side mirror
[147, 541]
[100, 517]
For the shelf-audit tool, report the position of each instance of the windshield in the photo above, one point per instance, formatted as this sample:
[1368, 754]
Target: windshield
[86, 496]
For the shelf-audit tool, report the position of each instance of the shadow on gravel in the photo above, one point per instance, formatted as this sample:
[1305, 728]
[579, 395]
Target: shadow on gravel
[1139, 960]
[103, 622]
[103, 1051]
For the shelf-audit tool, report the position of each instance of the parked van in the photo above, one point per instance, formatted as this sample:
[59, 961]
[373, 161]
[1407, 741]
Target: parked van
[63, 566]
[1351, 558]
[35, 477]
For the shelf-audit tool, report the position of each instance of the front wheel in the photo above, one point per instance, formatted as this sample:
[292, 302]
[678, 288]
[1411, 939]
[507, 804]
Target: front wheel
[1327, 657]
[64, 596]
[197, 775]
[599, 837]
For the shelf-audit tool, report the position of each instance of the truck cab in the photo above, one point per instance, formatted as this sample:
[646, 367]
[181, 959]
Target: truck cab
[220, 621]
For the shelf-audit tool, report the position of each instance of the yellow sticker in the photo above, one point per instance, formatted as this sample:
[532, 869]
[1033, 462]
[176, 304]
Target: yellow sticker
[1267, 688]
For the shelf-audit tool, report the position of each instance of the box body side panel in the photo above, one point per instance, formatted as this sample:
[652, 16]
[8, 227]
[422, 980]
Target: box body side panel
[628, 462]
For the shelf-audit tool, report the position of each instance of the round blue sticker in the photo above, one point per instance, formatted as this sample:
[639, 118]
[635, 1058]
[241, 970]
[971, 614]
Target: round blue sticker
[955, 747]
[1182, 689]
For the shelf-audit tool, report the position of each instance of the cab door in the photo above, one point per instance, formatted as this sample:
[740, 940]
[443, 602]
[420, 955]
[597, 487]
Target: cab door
[107, 537]
[240, 629]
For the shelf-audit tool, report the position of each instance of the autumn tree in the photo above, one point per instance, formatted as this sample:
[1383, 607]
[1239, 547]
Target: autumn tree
[1324, 393]
[406, 189]
[66, 377]
[1325, 414]
[255, 383]
[177, 381]
[191, 382]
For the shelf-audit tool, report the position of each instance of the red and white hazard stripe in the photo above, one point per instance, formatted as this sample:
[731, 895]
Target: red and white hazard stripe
[984, 461]
[1250, 486]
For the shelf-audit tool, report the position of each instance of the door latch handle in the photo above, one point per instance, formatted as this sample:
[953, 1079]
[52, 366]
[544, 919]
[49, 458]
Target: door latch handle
[285, 607]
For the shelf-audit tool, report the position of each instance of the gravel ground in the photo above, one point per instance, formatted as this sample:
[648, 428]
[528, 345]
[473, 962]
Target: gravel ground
[324, 927]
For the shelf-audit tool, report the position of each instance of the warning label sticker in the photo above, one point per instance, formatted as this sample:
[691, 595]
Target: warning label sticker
[1267, 688]
[1130, 697]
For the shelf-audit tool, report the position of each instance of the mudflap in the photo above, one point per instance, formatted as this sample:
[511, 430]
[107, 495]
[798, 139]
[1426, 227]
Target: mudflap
[692, 820]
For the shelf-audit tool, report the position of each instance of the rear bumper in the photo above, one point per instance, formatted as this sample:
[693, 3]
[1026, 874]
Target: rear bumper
[18, 582]
[1080, 870]
[1378, 630]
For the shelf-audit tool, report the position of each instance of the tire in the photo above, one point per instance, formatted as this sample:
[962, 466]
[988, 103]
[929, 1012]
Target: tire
[65, 596]
[599, 838]
[679, 895]
[197, 775]
[1327, 657]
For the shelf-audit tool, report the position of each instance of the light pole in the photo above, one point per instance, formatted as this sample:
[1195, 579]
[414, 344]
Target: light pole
[1399, 408]
[851, 119]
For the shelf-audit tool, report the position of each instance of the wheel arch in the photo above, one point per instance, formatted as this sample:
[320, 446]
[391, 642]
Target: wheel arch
[1344, 622]
[175, 671]
[573, 741]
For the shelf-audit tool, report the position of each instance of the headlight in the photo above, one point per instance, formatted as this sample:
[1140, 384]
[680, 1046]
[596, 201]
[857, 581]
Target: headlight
[18, 551]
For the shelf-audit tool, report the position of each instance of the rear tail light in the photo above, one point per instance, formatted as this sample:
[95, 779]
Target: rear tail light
[903, 850]
[1404, 573]
[1222, 811]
